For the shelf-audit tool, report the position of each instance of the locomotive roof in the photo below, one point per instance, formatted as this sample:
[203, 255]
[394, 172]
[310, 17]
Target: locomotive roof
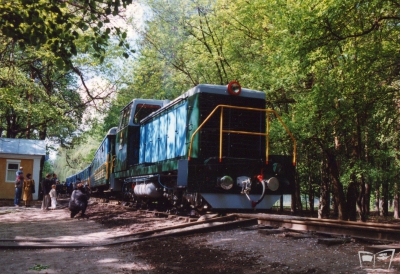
[222, 90]
[207, 88]
[145, 101]
[112, 131]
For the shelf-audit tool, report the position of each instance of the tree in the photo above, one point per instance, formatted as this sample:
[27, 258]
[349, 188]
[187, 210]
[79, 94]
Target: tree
[41, 79]
[348, 59]
[56, 25]
[38, 99]
[70, 161]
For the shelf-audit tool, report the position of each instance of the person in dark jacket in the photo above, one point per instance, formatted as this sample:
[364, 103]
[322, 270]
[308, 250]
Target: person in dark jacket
[46, 187]
[78, 201]
[19, 182]
[74, 184]
[54, 179]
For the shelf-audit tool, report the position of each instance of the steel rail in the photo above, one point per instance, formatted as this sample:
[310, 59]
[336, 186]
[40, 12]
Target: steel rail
[375, 231]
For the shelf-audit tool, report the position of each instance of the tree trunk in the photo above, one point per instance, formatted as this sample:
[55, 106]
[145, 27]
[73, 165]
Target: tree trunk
[352, 201]
[296, 202]
[29, 98]
[42, 136]
[335, 206]
[377, 198]
[305, 199]
[11, 121]
[361, 201]
[385, 195]
[367, 199]
[337, 186]
[396, 205]
[324, 201]
[359, 185]
[311, 198]
[293, 209]
[396, 184]
[396, 194]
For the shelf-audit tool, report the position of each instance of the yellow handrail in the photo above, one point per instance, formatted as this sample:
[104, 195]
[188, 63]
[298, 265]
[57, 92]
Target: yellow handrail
[107, 166]
[221, 130]
[113, 164]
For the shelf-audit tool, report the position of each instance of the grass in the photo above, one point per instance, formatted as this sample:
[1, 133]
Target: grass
[39, 267]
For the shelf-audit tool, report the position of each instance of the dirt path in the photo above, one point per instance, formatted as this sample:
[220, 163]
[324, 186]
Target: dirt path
[233, 251]
[24, 224]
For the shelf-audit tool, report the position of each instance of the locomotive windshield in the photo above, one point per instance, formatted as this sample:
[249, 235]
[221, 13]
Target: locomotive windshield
[143, 110]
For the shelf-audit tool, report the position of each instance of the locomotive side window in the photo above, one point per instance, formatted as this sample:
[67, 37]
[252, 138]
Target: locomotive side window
[126, 113]
[143, 110]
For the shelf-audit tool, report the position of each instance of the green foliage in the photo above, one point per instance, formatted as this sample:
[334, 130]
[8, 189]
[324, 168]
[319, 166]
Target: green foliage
[123, 98]
[43, 94]
[72, 160]
[39, 267]
[47, 168]
[344, 85]
[37, 99]
[56, 26]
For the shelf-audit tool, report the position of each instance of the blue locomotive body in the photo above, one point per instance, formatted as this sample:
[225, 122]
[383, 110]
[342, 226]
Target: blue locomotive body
[206, 149]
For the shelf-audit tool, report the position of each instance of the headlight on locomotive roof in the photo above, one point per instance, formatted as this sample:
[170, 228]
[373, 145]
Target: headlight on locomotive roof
[234, 88]
[225, 182]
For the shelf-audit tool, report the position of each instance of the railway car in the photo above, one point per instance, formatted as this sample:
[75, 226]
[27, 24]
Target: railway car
[102, 165]
[82, 176]
[207, 149]
[68, 182]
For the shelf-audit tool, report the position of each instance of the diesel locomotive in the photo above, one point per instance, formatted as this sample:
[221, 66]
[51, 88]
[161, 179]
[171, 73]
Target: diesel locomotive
[207, 149]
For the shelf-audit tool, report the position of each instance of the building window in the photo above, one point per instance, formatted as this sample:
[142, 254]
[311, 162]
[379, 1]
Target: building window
[12, 168]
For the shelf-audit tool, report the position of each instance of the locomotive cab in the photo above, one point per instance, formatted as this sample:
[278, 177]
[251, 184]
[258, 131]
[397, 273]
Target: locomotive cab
[128, 136]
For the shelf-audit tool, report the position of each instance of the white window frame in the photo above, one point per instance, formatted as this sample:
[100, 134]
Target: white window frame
[18, 162]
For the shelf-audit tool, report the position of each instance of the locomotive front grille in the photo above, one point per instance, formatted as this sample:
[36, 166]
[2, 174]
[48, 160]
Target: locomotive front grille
[233, 145]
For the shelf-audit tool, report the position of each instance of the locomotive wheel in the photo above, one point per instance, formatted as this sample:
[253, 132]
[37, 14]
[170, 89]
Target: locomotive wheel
[200, 208]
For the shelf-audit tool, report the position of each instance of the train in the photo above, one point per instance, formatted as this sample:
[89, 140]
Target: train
[208, 149]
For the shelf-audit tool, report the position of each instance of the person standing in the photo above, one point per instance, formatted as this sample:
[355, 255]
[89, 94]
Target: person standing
[19, 182]
[19, 172]
[46, 187]
[29, 183]
[54, 179]
[53, 197]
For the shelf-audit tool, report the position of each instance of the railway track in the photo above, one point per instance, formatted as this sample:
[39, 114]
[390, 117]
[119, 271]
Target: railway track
[279, 224]
[367, 231]
[342, 231]
[336, 228]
